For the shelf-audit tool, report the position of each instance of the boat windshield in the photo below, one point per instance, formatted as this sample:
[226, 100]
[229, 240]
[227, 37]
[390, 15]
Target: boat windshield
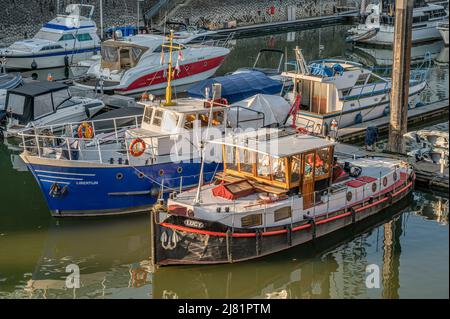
[121, 57]
[46, 35]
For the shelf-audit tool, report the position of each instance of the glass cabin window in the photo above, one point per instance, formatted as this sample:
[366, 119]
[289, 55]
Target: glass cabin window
[322, 162]
[279, 169]
[109, 54]
[43, 105]
[148, 115]
[230, 157]
[67, 37]
[84, 37]
[246, 161]
[16, 103]
[60, 96]
[157, 118]
[189, 121]
[263, 165]
[295, 169]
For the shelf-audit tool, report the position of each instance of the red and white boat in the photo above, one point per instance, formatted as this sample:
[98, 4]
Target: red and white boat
[279, 189]
[137, 64]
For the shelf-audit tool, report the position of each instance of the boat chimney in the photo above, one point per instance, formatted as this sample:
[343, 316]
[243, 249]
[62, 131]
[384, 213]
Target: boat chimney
[217, 91]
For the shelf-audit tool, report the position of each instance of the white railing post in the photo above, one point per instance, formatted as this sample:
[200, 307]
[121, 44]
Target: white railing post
[115, 131]
[38, 147]
[99, 151]
[68, 148]
[181, 184]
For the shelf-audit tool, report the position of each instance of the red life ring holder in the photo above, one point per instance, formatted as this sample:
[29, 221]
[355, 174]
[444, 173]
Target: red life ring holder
[85, 130]
[302, 130]
[137, 147]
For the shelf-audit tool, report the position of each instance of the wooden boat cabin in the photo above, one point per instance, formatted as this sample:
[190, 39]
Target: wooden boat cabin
[279, 162]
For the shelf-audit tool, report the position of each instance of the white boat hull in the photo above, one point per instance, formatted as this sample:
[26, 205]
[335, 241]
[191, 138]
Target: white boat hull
[57, 59]
[444, 34]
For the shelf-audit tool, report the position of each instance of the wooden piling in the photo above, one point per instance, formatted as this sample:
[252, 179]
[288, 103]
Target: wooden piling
[400, 75]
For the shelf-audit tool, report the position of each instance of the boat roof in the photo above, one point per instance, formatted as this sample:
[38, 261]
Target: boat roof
[38, 88]
[277, 143]
[141, 40]
[185, 105]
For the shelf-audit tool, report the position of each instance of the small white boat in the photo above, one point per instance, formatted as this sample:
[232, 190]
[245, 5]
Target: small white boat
[64, 40]
[45, 103]
[137, 64]
[378, 27]
[278, 189]
[343, 92]
[443, 30]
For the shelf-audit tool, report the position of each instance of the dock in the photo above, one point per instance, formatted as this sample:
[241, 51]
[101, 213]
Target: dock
[279, 26]
[416, 116]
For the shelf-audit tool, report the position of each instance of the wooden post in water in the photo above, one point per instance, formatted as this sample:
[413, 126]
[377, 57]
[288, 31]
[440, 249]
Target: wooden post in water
[400, 74]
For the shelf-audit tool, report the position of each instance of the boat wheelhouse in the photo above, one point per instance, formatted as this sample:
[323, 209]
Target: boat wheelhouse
[343, 92]
[378, 28]
[64, 40]
[41, 103]
[133, 65]
[279, 189]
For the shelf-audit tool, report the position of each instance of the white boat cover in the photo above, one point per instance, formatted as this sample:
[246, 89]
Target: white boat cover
[274, 107]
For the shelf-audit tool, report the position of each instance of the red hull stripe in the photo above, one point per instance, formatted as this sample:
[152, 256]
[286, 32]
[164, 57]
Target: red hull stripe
[186, 70]
[283, 231]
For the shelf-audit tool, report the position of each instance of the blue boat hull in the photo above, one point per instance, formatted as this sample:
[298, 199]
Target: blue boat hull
[96, 191]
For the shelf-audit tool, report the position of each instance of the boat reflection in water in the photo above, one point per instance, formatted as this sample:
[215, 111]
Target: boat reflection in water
[105, 251]
[379, 57]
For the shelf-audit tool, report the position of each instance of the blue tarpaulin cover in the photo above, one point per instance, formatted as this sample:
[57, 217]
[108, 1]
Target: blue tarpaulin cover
[237, 87]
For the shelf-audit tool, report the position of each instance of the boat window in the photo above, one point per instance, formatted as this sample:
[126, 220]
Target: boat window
[295, 168]
[251, 220]
[67, 37]
[60, 96]
[322, 162]
[51, 47]
[170, 122]
[246, 161]
[158, 49]
[157, 117]
[109, 54]
[309, 166]
[230, 157]
[136, 54]
[279, 169]
[263, 165]
[16, 103]
[362, 79]
[282, 213]
[84, 37]
[148, 115]
[189, 121]
[43, 105]
[375, 79]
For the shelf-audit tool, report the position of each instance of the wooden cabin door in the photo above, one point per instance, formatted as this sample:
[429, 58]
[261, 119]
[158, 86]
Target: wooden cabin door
[307, 187]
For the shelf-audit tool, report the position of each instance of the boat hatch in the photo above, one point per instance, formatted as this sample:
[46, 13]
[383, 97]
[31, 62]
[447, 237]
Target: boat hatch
[35, 100]
[121, 55]
[278, 161]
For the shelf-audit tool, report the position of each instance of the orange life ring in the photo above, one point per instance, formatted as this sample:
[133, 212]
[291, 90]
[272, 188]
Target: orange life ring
[137, 147]
[85, 130]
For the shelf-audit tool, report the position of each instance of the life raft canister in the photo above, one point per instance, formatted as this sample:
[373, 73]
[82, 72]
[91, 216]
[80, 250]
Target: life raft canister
[85, 130]
[137, 147]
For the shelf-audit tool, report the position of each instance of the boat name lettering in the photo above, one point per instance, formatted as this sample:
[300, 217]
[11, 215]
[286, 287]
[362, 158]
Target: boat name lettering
[87, 183]
[194, 223]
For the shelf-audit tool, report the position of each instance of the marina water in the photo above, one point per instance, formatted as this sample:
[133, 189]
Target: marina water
[409, 246]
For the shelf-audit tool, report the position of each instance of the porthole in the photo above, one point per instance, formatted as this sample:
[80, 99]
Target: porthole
[205, 64]
[385, 181]
[141, 175]
[374, 187]
[180, 170]
[349, 196]
[119, 176]
[161, 172]
[395, 176]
